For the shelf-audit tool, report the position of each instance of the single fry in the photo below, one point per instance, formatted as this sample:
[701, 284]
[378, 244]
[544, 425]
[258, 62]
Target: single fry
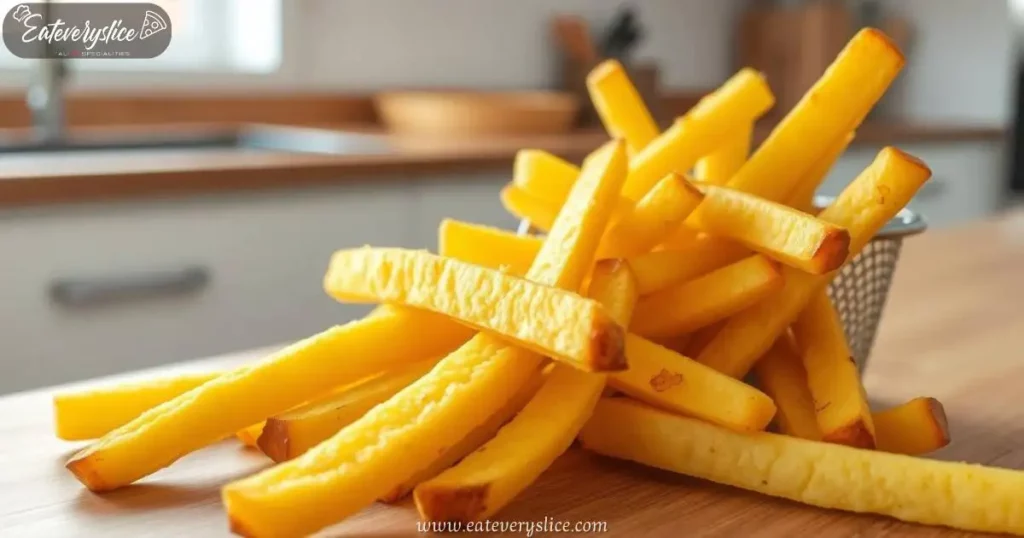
[783, 233]
[802, 197]
[486, 246]
[780, 374]
[655, 216]
[742, 99]
[291, 434]
[707, 299]
[480, 435]
[547, 178]
[719, 166]
[620, 106]
[354, 467]
[546, 320]
[833, 107]
[916, 427]
[666, 379]
[971, 497]
[543, 175]
[840, 403]
[869, 202]
[244, 396]
[493, 475]
[250, 436]
[521, 205]
[93, 412]
[658, 270]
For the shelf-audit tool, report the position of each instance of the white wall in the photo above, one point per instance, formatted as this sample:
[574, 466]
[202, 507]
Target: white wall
[499, 44]
[959, 66]
[958, 69]
[373, 44]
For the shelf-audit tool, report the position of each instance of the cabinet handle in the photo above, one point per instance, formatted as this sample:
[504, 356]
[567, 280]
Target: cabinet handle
[81, 292]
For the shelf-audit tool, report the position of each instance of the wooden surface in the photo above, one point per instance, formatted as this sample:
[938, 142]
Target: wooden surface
[952, 330]
[34, 179]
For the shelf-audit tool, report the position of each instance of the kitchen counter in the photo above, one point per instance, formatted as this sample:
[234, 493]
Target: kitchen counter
[952, 330]
[38, 179]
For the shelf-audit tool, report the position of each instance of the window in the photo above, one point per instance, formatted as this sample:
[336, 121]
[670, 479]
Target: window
[209, 35]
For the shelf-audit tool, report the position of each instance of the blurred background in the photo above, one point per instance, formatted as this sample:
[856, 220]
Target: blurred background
[160, 210]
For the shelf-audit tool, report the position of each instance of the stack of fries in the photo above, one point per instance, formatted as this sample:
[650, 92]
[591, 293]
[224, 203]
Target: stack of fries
[631, 325]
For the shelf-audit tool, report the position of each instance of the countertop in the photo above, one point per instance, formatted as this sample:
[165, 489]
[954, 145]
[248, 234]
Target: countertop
[952, 330]
[68, 177]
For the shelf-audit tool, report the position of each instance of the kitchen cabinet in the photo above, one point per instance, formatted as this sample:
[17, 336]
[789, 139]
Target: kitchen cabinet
[471, 197]
[968, 181]
[140, 284]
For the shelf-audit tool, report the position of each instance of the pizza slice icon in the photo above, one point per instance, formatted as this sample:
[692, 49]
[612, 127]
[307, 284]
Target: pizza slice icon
[152, 24]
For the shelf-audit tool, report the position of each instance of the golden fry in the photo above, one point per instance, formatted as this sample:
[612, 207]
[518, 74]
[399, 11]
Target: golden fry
[707, 299]
[869, 202]
[973, 497]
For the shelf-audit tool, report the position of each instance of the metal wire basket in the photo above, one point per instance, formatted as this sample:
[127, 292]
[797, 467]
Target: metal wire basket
[860, 289]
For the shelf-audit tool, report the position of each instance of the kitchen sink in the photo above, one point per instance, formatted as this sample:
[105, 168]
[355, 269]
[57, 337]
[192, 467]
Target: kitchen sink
[270, 138]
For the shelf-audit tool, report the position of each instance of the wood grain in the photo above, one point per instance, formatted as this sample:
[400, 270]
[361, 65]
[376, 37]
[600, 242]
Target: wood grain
[952, 330]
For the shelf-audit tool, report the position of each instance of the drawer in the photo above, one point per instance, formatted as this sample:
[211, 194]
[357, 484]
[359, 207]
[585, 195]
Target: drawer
[469, 197]
[195, 278]
[968, 179]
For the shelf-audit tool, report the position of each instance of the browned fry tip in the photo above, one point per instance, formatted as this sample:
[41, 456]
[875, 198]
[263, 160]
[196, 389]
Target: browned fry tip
[274, 440]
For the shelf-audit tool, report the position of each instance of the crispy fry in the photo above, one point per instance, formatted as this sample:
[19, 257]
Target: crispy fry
[738, 102]
[783, 233]
[490, 477]
[717, 167]
[547, 178]
[916, 427]
[655, 216]
[291, 434]
[348, 471]
[521, 205]
[840, 403]
[658, 270]
[249, 394]
[802, 197]
[959, 495]
[666, 379]
[780, 374]
[553, 322]
[620, 106]
[833, 107]
[543, 175]
[480, 435]
[874, 198]
[250, 436]
[707, 299]
[95, 411]
[486, 246]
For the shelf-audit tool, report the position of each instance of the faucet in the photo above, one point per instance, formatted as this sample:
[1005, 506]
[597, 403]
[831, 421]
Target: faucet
[45, 96]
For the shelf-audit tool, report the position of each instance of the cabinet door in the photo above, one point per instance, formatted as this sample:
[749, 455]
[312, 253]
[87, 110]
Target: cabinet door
[152, 282]
[468, 197]
[968, 178]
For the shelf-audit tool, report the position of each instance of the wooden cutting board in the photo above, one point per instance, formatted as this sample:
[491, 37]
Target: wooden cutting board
[953, 330]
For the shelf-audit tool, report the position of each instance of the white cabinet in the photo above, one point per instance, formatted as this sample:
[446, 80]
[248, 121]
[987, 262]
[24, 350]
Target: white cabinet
[222, 273]
[472, 197]
[968, 182]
